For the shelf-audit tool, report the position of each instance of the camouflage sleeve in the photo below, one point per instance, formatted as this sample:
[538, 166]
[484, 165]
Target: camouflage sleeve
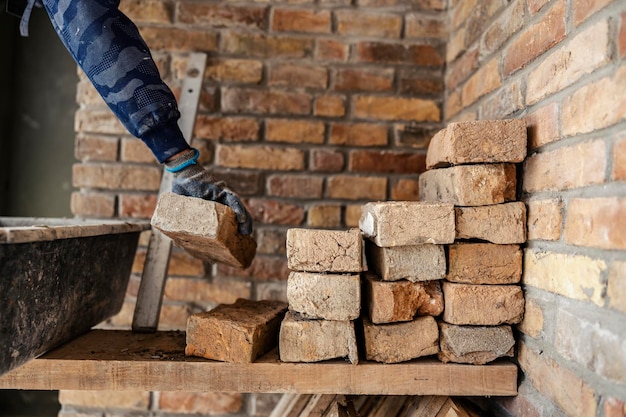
[107, 45]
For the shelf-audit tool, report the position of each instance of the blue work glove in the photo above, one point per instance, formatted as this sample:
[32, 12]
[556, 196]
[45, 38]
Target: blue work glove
[192, 180]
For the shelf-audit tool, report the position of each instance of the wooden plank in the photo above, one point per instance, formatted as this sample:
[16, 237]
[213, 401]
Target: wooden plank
[122, 360]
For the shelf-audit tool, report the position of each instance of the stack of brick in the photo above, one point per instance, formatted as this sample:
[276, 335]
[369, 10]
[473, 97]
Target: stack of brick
[472, 166]
[406, 261]
[324, 295]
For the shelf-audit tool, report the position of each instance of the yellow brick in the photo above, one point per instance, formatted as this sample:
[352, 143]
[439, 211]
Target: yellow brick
[616, 291]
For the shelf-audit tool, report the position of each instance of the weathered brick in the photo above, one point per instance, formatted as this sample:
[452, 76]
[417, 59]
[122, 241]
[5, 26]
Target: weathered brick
[324, 216]
[399, 342]
[582, 55]
[413, 135]
[405, 190]
[242, 182]
[265, 46]
[397, 53]
[421, 26]
[260, 157]
[358, 134]
[210, 403]
[357, 188]
[221, 15]
[226, 128]
[459, 70]
[110, 176]
[573, 276]
[453, 104]
[99, 121]
[297, 75]
[544, 219]
[619, 160]
[483, 141]
[242, 100]
[263, 268]
[504, 104]
[595, 106]
[484, 263]
[294, 131]
[326, 160]
[483, 305]
[331, 50]
[234, 70]
[413, 82]
[364, 79]
[479, 18]
[138, 206]
[150, 11]
[558, 383]
[401, 223]
[532, 323]
[324, 295]
[367, 23]
[275, 212]
[507, 24]
[303, 340]
[535, 6]
[616, 288]
[500, 223]
[584, 9]
[315, 250]
[134, 150]
[96, 148]
[596, 222]
[469, 185]
[461, 12]
[133, 400]
[543, 125]
[239, 332]
[536, 39]
[477, 345]
[389, 302]
[423, 262]
[484, 81]
[330, 106]
[396, 108]
[456, 44]
[352, 215]
[179, 40]
[205, 229]
[295, 186]
[385, 161]
[307, 21]
[92, 205]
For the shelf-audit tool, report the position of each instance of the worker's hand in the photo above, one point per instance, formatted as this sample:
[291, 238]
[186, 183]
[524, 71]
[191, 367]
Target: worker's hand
[192, 180]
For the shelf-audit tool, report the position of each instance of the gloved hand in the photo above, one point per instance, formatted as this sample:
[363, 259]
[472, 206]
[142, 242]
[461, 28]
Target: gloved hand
[192, 180]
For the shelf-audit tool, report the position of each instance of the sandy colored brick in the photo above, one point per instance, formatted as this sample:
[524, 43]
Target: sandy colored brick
[481, 141]
[307, 21]
[400, 342]
[469, 185]
[396, 108]
[424, 262]
[482, 305]
[97, 205]
[325, 296]
[354, 187]
[545, 218]
[303, 340]
[484, 263]
[260, 157]
[116, 176]
[351, 22]
[316, 250]
[205, 229]
[389, 302]
[401, 223]
[616, 290]
[484, 81]
[294, 131]
[532, 323]
[543, 125]
[477, 345]
[596, 222]
[499, 223]
[239, 332]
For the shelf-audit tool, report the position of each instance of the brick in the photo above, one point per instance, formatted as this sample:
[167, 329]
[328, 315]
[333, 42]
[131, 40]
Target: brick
[368, 24]
[421, 26]
[504, 104]
[179, 40]
[461, 12]
[584, 9]
[260, 157]
[405, 190]
[242, 182]
[306, 21]
[390, 224]
[501, 223]
[138, 206]
[133, 400]
[303, 340]
[331, 50]
[595, 106]
[239, 332]
[262, 268]
[275, 212]
[297, 75]
[221, 15]
[619, 161]
[200, 402]
[98, 121]
[111, 176]
[484, 263]
[352, 215]
[558, 383]
[326, 160]
[357, 188]
[295, 186]
[484, 141]
[271, 241]
[543, 125]
[265, 46]
[456, 44]
[483, 82]
[147, 11]
[477, 345]
[532, 323]
[294, 131]
[535, 6]
[358, 134]
[205, 229]
[482, 305]
[507, 24]
[241, 100]
[324, 295]
[424, 262]
[226, 128]
[582, 55]
[396, 108]
[411, 82]
[96, 148]
[400, 342]
[314, 250]
[329, 106]
[134, 150]
[203, 292]
[470, 185]
[596, 222]
[364, 79]
[234, 70]
[402, 300]
[390, 162]
[413, 135]
[545, 218]
[616, 288]
[324, 216]
[453, 104]
[397, 53]
[97, 205]
[536, 39]
[459, 70]
[574, 276]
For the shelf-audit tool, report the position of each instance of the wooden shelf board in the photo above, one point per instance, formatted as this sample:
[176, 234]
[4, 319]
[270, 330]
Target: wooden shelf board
[123, 360]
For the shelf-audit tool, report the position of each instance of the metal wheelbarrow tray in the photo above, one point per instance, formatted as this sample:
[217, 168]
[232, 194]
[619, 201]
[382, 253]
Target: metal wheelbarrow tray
[58, 278]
